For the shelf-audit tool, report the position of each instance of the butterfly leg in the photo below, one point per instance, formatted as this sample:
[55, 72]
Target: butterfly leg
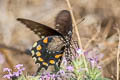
[68, 55]
[59, 63]
[37, 72]
[75, 43]
[74, 46]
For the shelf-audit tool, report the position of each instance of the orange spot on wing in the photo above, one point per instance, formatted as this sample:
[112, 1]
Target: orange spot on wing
[40, 59]
[45, 40]
[38, 53]
[39, 47]
[44, 63]
[52, 61]
[58, 55]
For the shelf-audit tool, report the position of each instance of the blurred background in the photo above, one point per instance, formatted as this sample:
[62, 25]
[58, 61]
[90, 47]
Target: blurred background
[97, 30]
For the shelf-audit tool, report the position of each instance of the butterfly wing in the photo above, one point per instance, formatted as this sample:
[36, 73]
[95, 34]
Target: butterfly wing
[39, 29]
[63, 23]
[43, 55]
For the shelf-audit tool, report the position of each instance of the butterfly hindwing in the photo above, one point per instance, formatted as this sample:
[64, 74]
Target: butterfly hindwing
[43, 55]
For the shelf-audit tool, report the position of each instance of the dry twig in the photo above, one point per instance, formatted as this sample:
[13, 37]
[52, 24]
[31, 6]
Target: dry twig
[74, 22]
[77, 32]
[118, 54]
[107, 29]
[92, 39]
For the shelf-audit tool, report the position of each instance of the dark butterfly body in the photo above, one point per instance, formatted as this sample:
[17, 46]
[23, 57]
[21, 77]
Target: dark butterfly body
[49, 49]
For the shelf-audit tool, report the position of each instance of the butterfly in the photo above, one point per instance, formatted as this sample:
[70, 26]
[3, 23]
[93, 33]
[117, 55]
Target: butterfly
[53, 42]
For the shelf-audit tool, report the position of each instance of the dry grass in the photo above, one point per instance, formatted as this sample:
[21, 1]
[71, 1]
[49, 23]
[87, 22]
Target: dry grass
[118, 54]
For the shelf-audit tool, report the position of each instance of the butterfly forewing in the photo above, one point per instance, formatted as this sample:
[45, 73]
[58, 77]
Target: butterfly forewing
[39, 29]
[63, 22]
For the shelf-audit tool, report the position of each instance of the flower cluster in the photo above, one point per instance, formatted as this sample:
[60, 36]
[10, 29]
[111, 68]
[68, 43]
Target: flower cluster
[16, 74]
[48, 76]
[79, 51]
[83, 67]
[92, 56]
[70, 68]
[87, 63]
[59, 75]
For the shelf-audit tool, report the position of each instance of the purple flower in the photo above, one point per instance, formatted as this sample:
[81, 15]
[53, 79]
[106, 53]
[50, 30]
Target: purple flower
[48, 74]
[53, 76]
[86, 53]
[19, 66]
[21, 70]
[8, 76]
[70, 68]
[6, 69]
[93, 61]
[45, 77]
[42, 78]
[79, 51]
[13, 74]
[61, 72]
[16, 74]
